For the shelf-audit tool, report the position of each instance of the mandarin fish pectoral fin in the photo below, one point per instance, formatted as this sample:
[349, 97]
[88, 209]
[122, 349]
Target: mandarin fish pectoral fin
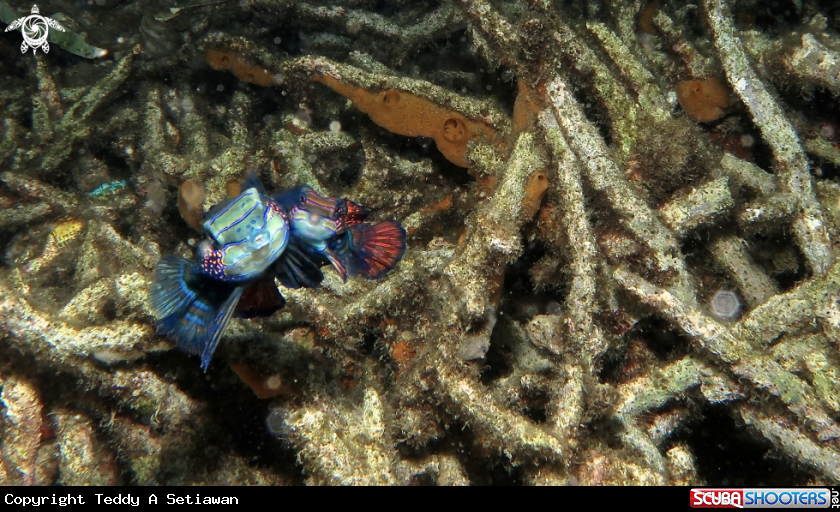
[337, 263]
[296, 269]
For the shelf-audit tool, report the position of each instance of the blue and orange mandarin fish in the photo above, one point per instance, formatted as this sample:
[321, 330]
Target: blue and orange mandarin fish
[333, 229]
[251, 240]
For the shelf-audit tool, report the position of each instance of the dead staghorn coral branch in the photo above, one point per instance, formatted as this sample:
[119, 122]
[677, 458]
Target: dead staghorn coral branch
[742, 356]
[755, 285]
[705, 205]
[494, 240]
[581, 304]
[809, 225]
[604, 175]
[798, 307]
[747, 174]
[813, 60]
[649, 96]
[698, 66]
[792, 442]
[518, 437]
[401, 39]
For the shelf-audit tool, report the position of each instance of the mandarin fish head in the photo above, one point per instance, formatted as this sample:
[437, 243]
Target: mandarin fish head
[314, 219]
[313, 228]
[306, 198]
[289, 198]
[245, 236]
[332, 208]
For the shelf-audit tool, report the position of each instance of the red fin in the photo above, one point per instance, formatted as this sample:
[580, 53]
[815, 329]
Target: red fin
[356, 213]
[261, 299]
[376, 248]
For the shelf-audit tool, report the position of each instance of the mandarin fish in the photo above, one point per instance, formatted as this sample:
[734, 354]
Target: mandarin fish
[248, 243]
[334, 229]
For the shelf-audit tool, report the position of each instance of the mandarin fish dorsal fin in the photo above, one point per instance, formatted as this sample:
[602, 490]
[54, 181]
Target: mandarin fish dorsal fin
[251, 180]
[291, 197]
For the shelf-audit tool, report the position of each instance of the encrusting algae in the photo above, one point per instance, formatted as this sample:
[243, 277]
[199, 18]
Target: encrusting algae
[634, 282]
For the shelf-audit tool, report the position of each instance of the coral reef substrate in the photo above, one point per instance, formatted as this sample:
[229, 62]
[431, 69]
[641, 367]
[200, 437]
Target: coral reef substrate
[622, 264]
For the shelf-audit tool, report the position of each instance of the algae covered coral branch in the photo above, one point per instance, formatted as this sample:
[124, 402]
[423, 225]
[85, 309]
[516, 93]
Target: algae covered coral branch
[778, 132]
[556, 317]
[767, 377]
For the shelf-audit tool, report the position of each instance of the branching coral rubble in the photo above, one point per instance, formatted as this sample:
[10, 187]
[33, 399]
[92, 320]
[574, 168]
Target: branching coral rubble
[622, 264]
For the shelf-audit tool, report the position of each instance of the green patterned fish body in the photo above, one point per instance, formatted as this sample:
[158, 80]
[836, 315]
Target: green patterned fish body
[246, 235]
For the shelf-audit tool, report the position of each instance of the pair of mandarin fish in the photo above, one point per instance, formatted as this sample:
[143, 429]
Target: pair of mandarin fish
[251, 240]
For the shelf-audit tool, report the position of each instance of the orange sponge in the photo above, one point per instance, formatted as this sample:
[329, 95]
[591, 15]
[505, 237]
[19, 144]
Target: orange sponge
[225, 60]
[526, 108]
[403, 353]
[534, 192]
[408, 114]
[233, 189]
[703, 100]
[191, 204]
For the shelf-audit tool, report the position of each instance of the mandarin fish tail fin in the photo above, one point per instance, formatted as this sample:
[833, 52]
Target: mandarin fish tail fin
[372, 250]
[193, 310]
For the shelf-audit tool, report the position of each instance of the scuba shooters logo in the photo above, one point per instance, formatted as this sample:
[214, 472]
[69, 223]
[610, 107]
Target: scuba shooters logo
[35, 29]
[764, 498]
[717, 498]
